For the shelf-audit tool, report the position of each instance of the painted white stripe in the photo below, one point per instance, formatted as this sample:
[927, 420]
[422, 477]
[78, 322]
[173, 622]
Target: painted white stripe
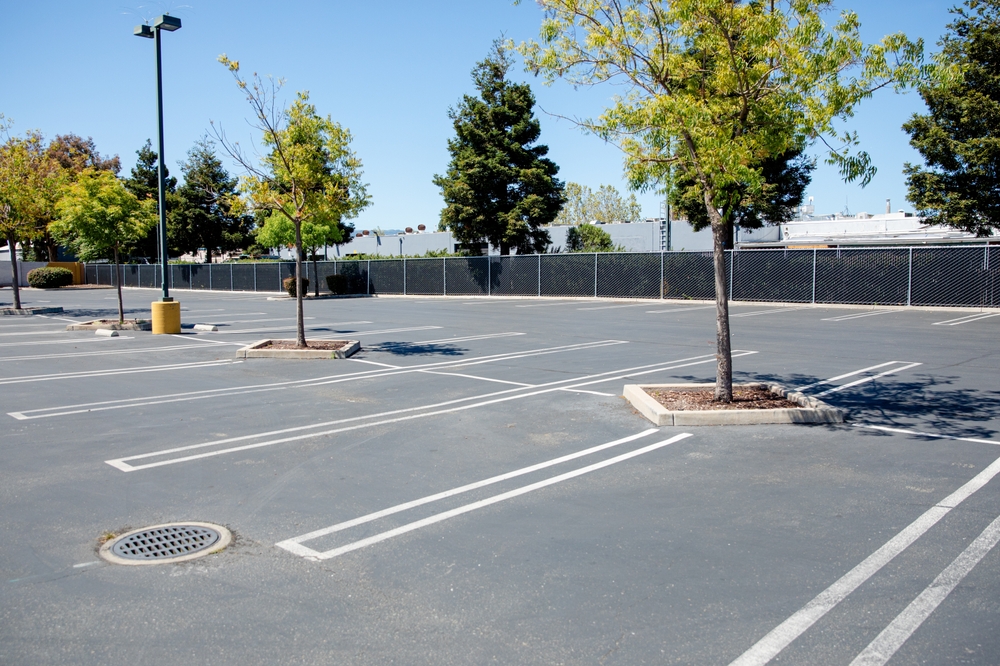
[383, 331]
[965, 320]
[866, 379]
[384, 365]
[117, 352]
[258, 321]
[72, 341]
[924, 434]
[782, 636]
[547, 304]
[888, 642]
[484, 379]
[858, 315]
[517, 492]
[846, 375]
[64, 410]
[469, 338]
[123, 465]
[464, 489]
[614, 307]
[275, 329]
[113, 371]
[687, 308]
[607, 395]
[757, 313]
[54, 332]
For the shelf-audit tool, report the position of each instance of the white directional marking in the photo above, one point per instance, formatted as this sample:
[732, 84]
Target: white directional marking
[966, 319]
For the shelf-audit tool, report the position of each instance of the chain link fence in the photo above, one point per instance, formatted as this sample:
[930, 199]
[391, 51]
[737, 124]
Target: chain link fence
[950, 276]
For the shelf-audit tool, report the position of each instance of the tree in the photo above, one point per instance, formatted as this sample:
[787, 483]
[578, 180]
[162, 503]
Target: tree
[590, 238]
[583, 206]
[959, 138]
[278, 231]
[499, 188]
[23, 174]
[144, 184]
[98, 216]
[210, 216]
[309, 172]
[783, 184]
[730, 83]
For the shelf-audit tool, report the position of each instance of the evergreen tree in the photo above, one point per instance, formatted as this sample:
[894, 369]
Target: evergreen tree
[784, 177]
[960, 138]
[500, 187]
[143, 183]
[207, 219]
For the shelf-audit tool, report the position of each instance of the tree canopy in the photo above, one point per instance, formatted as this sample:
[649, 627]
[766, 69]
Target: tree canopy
[606, 205]
[499, 187]
[959, 137]
[144, 184]
[590, 238]
[24, 185]
[714, 88]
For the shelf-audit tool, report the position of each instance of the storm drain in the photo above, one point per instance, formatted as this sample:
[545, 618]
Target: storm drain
[175, 542]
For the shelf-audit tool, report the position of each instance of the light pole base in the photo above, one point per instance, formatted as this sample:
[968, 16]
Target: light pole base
[166, 317]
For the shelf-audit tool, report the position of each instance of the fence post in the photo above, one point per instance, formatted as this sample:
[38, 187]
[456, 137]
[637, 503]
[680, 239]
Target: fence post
[595, 275]
[404, 274]
[539, 275]
[489, 273]
[909, 278]
[232, 283]
[814, 277]
[444, 275]
[731, 253]
[255, 277]
[368, 275]
[661, 275]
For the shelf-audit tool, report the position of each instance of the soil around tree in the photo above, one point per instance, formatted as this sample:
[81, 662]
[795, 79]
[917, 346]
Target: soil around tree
[112, 325]
[324, 345]
[698, 400]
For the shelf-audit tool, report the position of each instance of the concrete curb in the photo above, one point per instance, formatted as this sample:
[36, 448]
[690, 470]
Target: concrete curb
[811, 410]
[29, 311]
[138, 325]
[253, 351]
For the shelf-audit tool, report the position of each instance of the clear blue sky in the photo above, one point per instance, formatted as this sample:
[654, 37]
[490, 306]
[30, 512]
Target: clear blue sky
[387, 70]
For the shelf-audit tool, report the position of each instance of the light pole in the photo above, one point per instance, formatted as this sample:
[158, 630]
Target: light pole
[166, 312]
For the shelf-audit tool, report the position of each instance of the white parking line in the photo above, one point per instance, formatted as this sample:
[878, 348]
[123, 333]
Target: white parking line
[484, 379]
[295, 546]
[71, 341]
[66, 410]
[383, 331]
[687, 308]
[888, 642]
[866, 379]
[469, 338]
[546, 304]
[384, 365]
[118, 371]
[614, 307]
[485, 400]
[848, 374]
[274, 329]
[966, 319]
[757, 313]
[53, 332]
[290, 544]
[606, 395]
[903, 431]
[858, 315]
[782, 636]
[116, 352]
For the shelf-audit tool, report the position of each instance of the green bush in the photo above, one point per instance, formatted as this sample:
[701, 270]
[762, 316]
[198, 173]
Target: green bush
[50, 278]
[337, 284]
[289, 285]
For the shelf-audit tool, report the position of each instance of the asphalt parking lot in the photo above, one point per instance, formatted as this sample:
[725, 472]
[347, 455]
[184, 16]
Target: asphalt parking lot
[471, 488]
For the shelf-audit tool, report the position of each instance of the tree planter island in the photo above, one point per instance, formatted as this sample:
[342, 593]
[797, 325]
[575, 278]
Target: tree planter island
[325, 349]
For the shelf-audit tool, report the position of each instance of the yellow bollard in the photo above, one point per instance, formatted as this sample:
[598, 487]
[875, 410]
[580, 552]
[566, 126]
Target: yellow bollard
[166, 317]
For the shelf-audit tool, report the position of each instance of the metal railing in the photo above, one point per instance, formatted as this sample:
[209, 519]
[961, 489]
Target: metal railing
[953, 276]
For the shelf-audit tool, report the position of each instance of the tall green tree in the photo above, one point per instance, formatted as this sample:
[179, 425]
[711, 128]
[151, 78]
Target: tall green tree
[99, 217]
[590, 238]
[499, 188]
[731, 83]
[211, 216]
[24, 179]
[309, 172]
[144, 184]
[606, 205]
[959, 137]
[784, 180]
[278, 231]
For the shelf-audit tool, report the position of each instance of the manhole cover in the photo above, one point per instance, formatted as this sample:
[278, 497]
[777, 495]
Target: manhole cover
[175, 542]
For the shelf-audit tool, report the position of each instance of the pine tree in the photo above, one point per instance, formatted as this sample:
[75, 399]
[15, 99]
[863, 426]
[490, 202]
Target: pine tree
[960, 138]
[500, 188]
[143, 183]
[207, 218]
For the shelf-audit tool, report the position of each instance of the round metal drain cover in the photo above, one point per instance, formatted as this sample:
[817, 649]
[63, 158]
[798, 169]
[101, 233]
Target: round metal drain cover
[174, 542]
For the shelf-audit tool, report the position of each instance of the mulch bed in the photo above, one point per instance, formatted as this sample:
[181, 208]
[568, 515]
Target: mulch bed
[697, 400]
[331, 345]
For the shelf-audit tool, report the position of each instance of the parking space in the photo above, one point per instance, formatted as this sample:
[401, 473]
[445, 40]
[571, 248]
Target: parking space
[471, 487]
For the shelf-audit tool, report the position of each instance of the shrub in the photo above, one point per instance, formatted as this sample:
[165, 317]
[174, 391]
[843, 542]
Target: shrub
[289, 285]
[50, 278]
[337, 284]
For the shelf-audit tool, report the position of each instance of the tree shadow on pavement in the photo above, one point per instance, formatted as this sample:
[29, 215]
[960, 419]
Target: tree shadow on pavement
[416, 349]
[105, 313]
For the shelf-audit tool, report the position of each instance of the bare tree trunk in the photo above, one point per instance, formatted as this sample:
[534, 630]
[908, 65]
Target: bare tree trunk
[15, 278]
[723, 345]
[118, 283]
[300, 328]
